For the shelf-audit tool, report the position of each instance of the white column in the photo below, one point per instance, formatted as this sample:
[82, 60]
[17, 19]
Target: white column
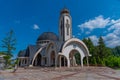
[81, 61]
[73, 61]
[68, 62]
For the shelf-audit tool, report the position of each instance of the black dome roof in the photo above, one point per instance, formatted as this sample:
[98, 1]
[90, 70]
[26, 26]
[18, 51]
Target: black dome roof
[48, 36]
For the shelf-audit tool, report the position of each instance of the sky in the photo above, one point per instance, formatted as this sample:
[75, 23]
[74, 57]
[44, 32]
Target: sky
[30, 18]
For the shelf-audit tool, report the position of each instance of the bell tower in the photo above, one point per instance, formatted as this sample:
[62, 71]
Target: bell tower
[65, 25]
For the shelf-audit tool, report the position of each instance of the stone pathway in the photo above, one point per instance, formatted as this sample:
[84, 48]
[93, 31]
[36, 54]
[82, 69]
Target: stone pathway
[74, 73]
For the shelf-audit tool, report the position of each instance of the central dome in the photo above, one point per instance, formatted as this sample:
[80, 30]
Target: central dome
[48, 36]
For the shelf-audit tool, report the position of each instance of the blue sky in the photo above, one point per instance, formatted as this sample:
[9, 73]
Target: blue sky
[90, 18]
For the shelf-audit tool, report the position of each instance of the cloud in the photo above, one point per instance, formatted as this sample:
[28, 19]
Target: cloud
[97, 22]
[94, 39]
[87, 32]
[35, 27]
[112, 40]
[111, 30]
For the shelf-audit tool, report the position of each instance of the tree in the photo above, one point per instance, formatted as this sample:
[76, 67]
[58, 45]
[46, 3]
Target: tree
[116, 51]
[91, 48]
[103, 51]
[7, 59]
[9, 42]
[101, 48]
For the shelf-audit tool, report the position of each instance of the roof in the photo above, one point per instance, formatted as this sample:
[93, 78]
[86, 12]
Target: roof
[64, 10]
[22, 53]
[31, 50]
[48, 36]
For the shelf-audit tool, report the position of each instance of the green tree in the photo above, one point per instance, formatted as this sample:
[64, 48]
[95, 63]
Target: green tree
[92, 50]
[9, 42]
[103, 51]
[7, 59]
[116, 51]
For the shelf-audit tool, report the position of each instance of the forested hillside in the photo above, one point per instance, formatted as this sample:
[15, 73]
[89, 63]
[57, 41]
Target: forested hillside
[116, 51]
[102, 55]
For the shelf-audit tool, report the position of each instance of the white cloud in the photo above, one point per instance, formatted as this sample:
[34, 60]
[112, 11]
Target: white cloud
[112, 37]
[114, 26]
[111, 30]
[94, 39]
[87, 32]
[36, 27]
[112, 40]
[98, 22]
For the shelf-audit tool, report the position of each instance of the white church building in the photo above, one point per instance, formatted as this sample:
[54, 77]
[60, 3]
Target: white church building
[53, 50]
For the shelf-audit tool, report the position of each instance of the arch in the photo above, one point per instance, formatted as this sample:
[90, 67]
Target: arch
[73, 59]
[51, 49]
[75, 45]
[51, 43]
[37, 61]
[52, 58]
[80, 44]
[38, 52]
[62, 60]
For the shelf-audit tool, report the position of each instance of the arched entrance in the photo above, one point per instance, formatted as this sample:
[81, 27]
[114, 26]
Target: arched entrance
[37, 61]
[75, 58]
[62, 61]
[73, 46]
[52, 58]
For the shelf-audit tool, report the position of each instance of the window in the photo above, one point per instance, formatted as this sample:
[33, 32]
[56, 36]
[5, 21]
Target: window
[67, 26]
[61, 27]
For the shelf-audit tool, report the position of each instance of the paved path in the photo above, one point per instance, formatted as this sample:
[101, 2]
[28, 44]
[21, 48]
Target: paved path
[75, 73]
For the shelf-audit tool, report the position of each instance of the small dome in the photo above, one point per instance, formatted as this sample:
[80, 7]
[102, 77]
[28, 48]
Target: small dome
[47, 36]
[65, 11]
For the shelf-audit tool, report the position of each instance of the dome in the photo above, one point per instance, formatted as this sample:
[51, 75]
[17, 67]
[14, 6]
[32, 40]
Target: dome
[47, 36]
[65, 11]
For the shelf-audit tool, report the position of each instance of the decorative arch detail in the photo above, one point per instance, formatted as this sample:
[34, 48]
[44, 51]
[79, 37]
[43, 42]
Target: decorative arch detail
[36, 55]
[78, 41]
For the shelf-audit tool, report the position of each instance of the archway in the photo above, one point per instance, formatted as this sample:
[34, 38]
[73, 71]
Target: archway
[37, 61]
[75, 58]
[62, 61]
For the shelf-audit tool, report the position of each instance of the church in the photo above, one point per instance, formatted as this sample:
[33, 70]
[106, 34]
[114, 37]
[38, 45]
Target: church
[52, 50]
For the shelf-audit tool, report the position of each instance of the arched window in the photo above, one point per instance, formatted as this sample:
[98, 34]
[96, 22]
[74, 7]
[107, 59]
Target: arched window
[67, 26]
[61, 27]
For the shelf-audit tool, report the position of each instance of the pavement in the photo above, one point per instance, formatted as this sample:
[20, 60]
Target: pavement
[73, 73]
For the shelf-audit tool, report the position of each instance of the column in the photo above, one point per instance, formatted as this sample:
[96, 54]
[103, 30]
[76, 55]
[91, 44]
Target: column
[73, 61]
[55, 61]
[68, 62]
[82, 62]
[87, 61]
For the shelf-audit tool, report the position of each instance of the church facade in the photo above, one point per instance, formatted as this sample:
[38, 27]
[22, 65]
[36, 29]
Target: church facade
[53, 50]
